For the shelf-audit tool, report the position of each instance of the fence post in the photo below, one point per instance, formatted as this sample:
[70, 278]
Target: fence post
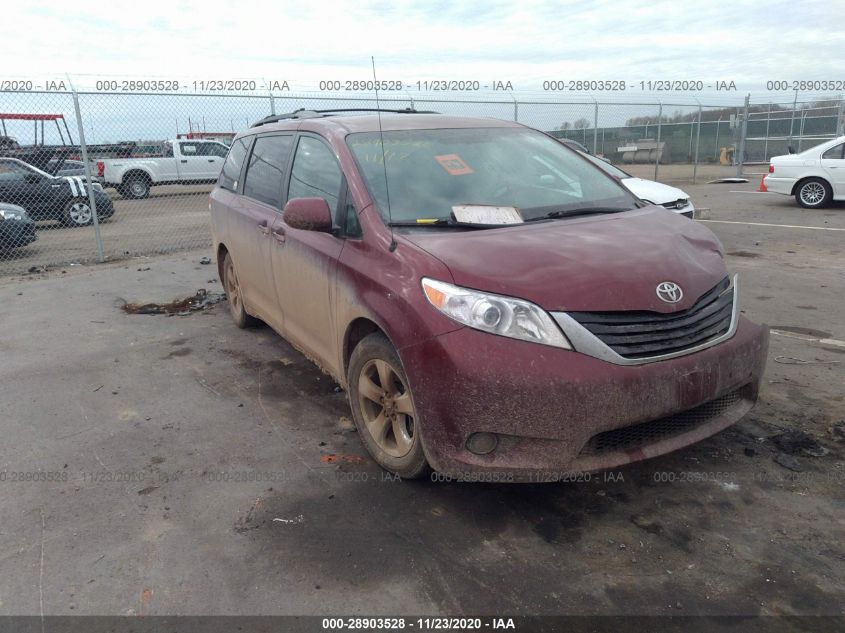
[272, 102]
[515, 109]
[840, 117]
[697, 141]
[743, 130]
[596, 130]
[89, 180]
[792, 118]
[805, 108]
[766, 143]
[657, 147]
[716, 150]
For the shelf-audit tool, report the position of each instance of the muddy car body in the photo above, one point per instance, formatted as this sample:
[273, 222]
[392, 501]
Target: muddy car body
[576, 340]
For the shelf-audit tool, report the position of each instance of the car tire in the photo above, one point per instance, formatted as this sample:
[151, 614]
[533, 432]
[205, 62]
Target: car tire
[77, 212]
[383, 408]
[136, 188]
[813, 193]
[233, 295]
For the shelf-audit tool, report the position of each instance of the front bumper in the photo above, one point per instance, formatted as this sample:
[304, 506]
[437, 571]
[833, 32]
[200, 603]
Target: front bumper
[555, 411]
[779, 185]
[16, 233]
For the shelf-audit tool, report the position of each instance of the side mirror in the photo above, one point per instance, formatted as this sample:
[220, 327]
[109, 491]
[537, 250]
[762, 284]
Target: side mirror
[790, 149]
[308, 214]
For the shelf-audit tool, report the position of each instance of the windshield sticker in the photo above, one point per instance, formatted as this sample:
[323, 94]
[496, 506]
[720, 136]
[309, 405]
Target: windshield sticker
[453, 164]
[484, 214]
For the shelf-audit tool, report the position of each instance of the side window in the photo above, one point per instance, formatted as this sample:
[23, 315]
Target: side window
[266, 169]
[232, 167]
[10, 172]
[834, 152]
[216, 149]
[188, 149]
[315, 172]
[352, 227]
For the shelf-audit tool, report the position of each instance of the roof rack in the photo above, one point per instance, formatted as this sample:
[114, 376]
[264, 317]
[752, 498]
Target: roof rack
[302, 113]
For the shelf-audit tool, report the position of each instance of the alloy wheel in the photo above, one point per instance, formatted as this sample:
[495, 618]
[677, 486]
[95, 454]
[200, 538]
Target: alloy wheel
[386, 406]
[233, 291]
[812, 193]
[80, 213]
[138, 188]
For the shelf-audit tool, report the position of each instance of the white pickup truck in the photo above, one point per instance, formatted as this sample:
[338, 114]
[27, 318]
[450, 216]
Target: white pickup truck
[181, 162]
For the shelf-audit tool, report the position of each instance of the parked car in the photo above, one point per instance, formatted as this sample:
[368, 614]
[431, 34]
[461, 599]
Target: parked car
[16, 227]
[815, 176]
[47, 197]
[68, 167]
[182, 162]
[666, 196]
[495, 306]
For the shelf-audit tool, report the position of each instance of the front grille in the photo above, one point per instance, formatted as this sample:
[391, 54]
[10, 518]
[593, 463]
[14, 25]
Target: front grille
[680, 203]
[645, 334]
[639, 435]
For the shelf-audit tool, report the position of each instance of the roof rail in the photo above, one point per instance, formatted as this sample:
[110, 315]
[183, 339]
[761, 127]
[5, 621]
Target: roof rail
[302, 113]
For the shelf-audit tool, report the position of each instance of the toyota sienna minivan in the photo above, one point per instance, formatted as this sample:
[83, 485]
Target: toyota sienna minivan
[493, 304]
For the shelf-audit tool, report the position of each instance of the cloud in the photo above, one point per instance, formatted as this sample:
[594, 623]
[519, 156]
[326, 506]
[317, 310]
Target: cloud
[524, 42]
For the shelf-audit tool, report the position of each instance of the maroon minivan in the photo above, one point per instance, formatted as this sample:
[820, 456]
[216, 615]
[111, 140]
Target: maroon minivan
[495, 306]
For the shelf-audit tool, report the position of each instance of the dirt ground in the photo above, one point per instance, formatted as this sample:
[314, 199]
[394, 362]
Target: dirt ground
[159, 464]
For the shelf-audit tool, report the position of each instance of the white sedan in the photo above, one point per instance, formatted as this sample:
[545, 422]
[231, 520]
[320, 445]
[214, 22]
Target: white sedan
[655, 192]
[814, 177]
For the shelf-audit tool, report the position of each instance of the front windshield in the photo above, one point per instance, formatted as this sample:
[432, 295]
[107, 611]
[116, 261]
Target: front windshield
[431, 171]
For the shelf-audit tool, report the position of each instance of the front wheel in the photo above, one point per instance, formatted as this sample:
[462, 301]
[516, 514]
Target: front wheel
[77, 212]
[383, 408]
[813, 193]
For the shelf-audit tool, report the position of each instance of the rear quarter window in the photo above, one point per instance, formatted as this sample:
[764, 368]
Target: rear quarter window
[232, 167]
[834, 152]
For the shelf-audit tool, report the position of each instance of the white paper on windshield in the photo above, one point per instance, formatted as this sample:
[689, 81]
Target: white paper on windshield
[484, 214]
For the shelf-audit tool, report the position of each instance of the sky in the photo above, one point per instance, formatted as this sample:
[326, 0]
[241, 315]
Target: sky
[298, 45]
[525, 42]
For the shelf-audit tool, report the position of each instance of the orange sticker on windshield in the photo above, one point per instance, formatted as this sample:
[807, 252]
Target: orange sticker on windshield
[453, 164]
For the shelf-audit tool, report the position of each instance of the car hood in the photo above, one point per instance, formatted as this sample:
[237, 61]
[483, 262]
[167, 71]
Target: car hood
[591, 263]
[652, 191]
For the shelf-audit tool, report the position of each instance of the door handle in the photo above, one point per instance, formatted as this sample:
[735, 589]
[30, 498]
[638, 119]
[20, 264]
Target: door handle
[184, 160]
[210, 160]
[279, 235]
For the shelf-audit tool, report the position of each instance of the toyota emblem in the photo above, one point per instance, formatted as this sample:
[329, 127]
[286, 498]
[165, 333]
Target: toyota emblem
[669, 291]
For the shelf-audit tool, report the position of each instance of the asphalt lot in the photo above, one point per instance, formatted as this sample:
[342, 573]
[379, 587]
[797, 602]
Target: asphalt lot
[183, 466]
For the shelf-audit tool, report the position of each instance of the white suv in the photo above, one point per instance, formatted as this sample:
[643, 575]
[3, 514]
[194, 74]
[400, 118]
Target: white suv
[815, 176]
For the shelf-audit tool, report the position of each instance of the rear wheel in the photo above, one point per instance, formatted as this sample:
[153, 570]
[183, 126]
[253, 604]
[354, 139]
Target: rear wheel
[136, 187]
[77, 212]
[233, 294]
[813, 193]
[383, 408]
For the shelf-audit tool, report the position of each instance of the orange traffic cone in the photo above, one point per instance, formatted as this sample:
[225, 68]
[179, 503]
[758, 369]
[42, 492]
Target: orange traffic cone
[763, 184]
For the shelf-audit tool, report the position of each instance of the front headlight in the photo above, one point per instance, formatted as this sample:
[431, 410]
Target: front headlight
[97, 186]
[496, 314]
[9, 214]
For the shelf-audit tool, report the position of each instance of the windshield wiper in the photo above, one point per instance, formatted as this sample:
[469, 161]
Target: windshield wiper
[447, 223]
[567, 213]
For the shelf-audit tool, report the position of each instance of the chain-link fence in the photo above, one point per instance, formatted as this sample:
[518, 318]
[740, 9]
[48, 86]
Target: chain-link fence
[103, 175]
